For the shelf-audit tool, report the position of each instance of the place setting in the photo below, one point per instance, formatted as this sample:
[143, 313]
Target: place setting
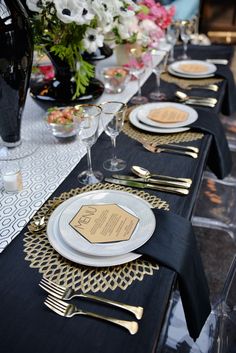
[100, 228]
[163, 117]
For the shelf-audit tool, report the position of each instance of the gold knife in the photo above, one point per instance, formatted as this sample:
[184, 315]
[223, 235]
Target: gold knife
[180, 184]
[136, 184]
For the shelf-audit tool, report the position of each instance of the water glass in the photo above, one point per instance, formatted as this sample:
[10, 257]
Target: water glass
[186, 29]
[172, 34]
[88, 134]
[136, 68]
[157, 69]
[113, 115]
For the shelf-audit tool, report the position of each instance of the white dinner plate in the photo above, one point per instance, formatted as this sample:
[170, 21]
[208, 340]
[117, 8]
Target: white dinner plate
[210, 68]
[131, 203]
[178, 74]
[71, 254]
[145, 109]
[133, 118]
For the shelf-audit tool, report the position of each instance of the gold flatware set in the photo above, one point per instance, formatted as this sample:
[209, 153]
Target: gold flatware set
[196, 100]
[59, 296]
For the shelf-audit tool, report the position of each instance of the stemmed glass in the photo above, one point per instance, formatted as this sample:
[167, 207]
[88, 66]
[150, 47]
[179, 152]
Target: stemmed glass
[88, 134]
[113, 115]
[136, 69]
[172, 34]
[157, 69]
[186, 29]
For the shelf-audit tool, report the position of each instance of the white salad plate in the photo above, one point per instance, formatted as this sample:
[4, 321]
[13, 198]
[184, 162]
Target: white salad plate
[209, 67]
[144, 111]
[129, 202]
[178, 74]
[133, 118]
[71, 254]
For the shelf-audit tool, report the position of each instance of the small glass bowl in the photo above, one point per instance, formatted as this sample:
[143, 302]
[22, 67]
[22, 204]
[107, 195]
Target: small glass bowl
[64, 129]
[115, 78]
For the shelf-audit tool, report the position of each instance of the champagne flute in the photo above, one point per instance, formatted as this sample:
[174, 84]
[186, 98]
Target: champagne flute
[157, 69]
[185, 34]
[88, 134]
[113, 115]
[136, 69]
[172, 34]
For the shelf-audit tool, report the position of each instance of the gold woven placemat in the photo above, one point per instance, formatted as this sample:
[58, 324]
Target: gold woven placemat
[185, 83]
[143, 136]
[42, 256]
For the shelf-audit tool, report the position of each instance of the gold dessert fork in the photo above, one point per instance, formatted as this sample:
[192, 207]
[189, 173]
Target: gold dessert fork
[64, 293]
[69, 310]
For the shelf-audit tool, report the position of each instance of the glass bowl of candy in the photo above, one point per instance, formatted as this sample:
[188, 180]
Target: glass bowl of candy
[115, 78]
[64, 122]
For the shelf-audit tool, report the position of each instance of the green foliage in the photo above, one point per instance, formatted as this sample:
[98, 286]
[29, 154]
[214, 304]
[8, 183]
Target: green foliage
[65, 41]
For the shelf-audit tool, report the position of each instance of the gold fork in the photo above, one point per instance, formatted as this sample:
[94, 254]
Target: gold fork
[64, 293]
[69, 310]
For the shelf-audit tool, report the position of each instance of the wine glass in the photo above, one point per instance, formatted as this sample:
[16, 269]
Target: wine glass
[172, 34]
[157, 69]
[113, 115]
[136, 68]
[88, 134]
[186, 30]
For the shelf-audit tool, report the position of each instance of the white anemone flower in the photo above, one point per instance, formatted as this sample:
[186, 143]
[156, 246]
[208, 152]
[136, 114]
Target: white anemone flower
[73, 11]
[92, 40]
[127, 27]
[35, 5]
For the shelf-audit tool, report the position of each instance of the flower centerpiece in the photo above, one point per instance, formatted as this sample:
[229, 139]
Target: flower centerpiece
[68, 28]
[146, 28]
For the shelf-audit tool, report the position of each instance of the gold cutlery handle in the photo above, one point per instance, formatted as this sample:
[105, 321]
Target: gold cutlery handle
[211, 87]
[184, 180]
[191, 148]
[136, 310]
[185, 153]
[131, 326]
[180, 184]
[168, 189]
[202, 103]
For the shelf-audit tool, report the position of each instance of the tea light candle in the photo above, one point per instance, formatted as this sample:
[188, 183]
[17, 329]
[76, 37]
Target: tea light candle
[12, 180]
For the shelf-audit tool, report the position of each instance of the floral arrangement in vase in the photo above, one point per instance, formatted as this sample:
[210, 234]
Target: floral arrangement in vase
[146, 27]
[68, 28]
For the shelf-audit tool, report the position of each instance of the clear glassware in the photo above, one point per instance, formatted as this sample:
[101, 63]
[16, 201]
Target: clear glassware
[172, 34]
[113, 115]
[186, 30]
[157, 69]
[136, 70]
[88, 134]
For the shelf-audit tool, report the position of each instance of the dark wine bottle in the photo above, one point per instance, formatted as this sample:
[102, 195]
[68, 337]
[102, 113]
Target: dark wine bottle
[16, 53]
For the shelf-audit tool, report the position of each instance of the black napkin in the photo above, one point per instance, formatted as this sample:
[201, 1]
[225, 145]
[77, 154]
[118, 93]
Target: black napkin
[219, 158]
[173, 245]
[229, 100]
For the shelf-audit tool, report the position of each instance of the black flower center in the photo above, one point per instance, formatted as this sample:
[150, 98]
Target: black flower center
[123, 9]
[91, 37]
[84, 12]
[39, 3]
[66, 12]
[105, 7]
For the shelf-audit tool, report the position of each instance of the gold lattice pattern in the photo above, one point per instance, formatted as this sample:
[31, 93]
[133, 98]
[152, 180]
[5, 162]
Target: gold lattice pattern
[42, 256]
[186, 83]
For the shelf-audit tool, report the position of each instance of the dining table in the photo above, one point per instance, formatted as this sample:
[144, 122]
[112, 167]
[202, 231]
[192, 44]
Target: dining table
[50, 174]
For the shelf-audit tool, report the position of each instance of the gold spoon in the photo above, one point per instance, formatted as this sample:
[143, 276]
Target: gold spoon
[39, 224]
[144, 173]
[184, 97]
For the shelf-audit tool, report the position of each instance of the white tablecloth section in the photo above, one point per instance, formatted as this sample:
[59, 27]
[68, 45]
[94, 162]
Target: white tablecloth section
[48, 165]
